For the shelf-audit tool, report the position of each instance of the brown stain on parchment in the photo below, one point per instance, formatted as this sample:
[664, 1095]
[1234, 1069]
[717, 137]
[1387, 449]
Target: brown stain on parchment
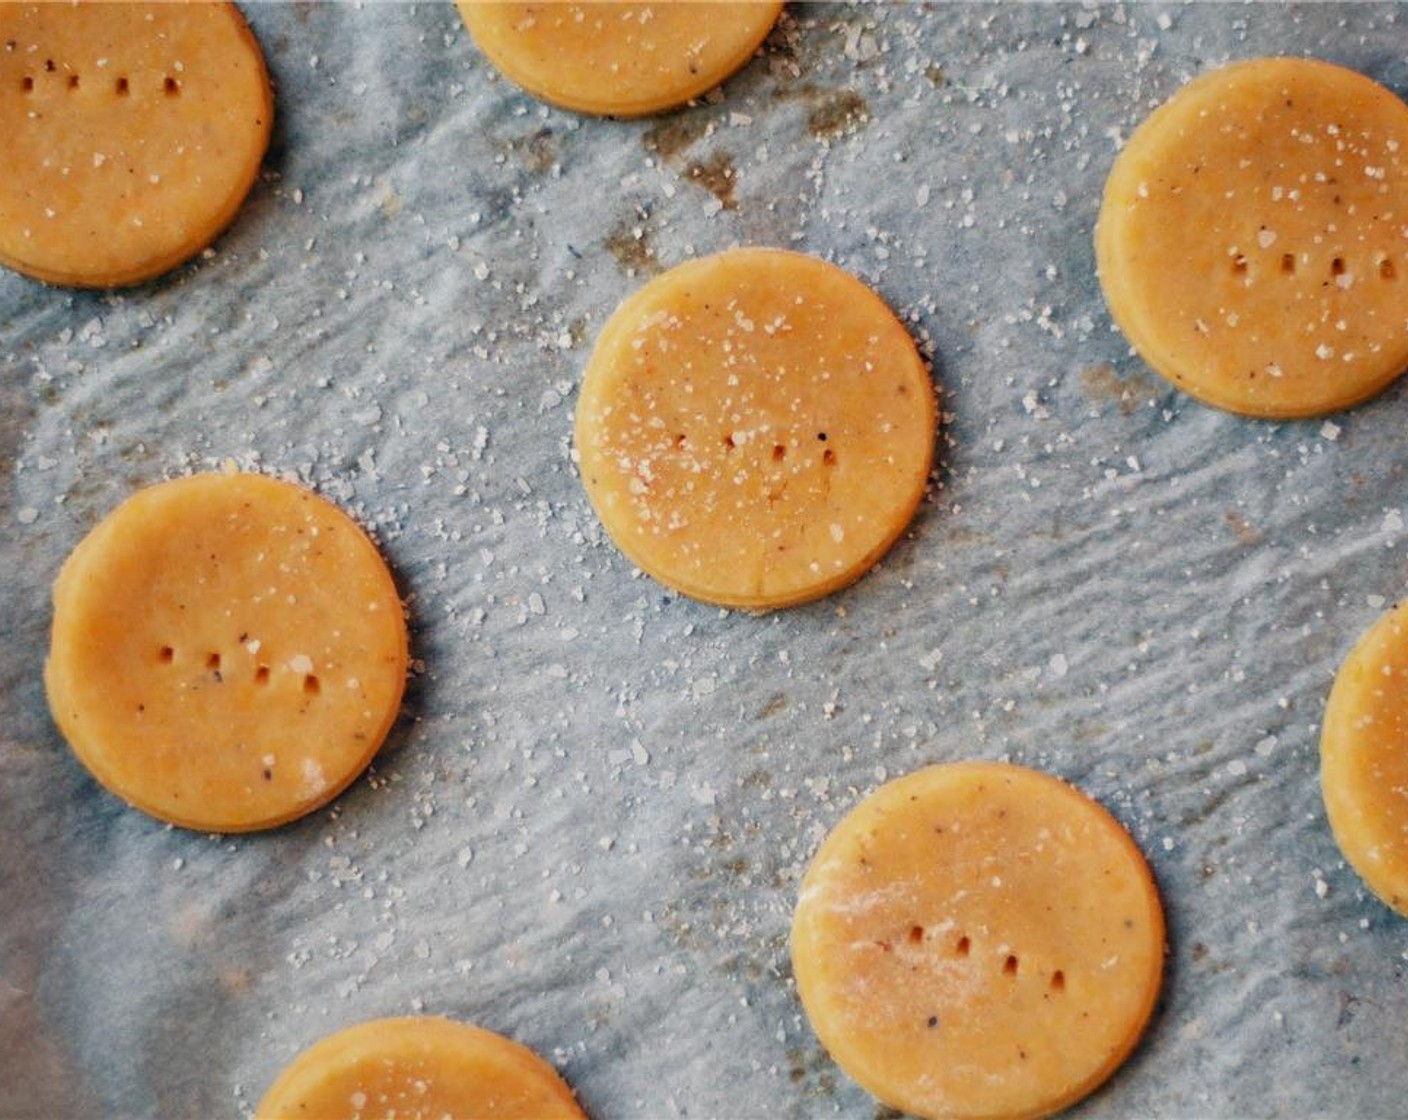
[1103, 385]
[812, 1070]
[718, 176]
[1246, 533]
[834, 112]
[777, 703]
[634, 254]
[537, 151]
[669, 139]
[837, 113]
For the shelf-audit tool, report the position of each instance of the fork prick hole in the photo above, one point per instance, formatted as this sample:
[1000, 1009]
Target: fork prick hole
[171, 86]
[1288, 263]
[311, 685]
[1058, 981]
[261, 675]
[1386, 270]
[122, 87]
[916, 934]
[27, 84]
[166, 655]
[963, 947]
[1009, 966]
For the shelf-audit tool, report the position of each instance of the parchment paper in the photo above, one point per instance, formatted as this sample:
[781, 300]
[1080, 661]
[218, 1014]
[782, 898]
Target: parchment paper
[588, 828]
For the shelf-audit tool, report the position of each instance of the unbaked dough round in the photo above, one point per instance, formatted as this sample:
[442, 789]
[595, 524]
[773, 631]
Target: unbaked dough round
[132, 134]
[228, 651]
[1253, 239]
[755, 428]
[978, 940]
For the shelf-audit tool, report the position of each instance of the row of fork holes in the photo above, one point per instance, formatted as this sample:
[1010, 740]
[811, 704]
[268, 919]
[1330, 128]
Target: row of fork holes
[167, 654]
[1387, 271]
[779, 450]
[120, 86]
[1010, 966]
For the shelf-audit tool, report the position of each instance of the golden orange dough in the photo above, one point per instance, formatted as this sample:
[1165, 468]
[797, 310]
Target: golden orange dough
[228, 651]
[132, 134]
[618, 59]
[1251, 242]
[418, 1068]
[755, 428]
[1364, 758]
[978, 940]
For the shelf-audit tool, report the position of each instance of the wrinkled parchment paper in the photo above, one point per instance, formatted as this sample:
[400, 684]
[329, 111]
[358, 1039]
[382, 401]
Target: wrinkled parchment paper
[588, 828]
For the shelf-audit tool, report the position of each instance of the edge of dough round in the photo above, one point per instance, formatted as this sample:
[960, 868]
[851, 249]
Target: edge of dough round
[403, 1038]
[1349, 774]
[482, 20]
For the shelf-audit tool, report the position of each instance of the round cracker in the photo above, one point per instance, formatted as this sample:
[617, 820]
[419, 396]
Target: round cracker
[418, 1067]
[1251, 241]
[755, 428]
[618, 59]
[978, 940]
[228, 651]
[132, 134]
[1363, 761]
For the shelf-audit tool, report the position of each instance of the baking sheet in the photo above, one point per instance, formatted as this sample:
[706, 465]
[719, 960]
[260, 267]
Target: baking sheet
[588, 828]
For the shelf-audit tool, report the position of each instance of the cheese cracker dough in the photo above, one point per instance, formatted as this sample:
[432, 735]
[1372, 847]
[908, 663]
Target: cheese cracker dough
[1364, 758]
[755, 428]
[621, 59]
[978, 940]
[228, 651]
[418, 1068]
[1253, 239]
[132, 134]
